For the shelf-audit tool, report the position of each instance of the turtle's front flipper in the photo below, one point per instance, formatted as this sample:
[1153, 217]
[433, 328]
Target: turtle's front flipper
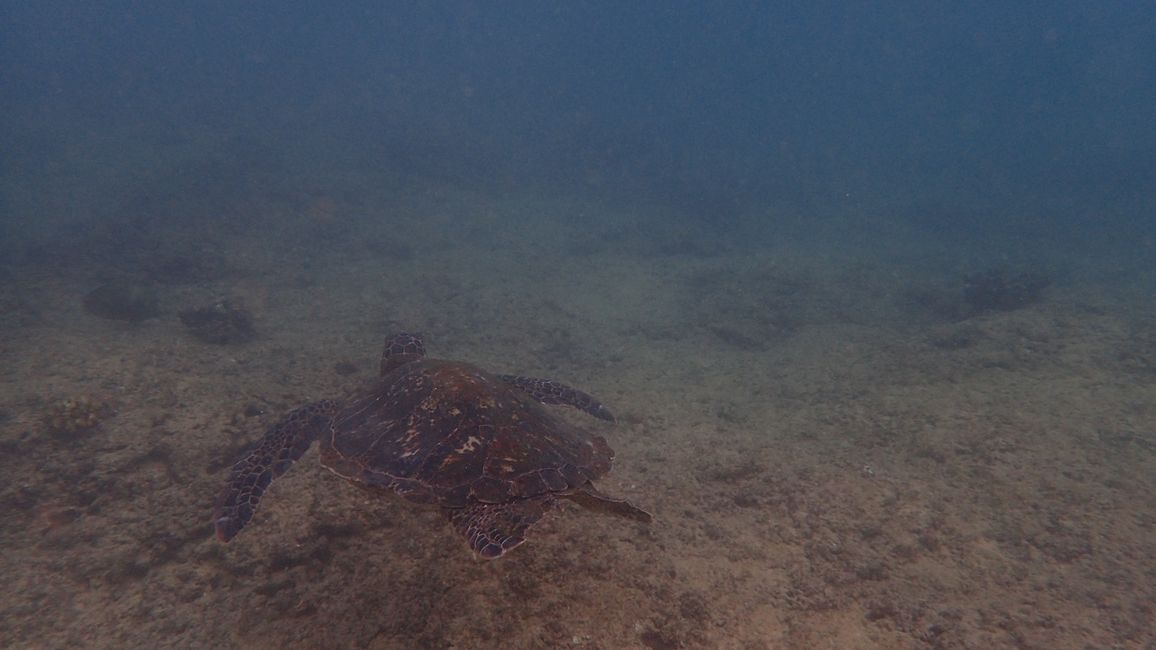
[491, 529]
[283, 444]
[548, 391]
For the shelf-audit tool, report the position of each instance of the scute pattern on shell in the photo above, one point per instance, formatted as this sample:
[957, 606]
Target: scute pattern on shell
[451, 433]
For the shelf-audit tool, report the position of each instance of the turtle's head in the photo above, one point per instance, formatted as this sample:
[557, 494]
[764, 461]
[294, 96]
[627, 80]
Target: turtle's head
[400, 349]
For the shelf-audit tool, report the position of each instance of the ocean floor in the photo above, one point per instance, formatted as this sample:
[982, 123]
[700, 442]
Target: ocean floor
[841, 449]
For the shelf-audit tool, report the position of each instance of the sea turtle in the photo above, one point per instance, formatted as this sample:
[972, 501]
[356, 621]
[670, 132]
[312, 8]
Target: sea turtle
[443, 433]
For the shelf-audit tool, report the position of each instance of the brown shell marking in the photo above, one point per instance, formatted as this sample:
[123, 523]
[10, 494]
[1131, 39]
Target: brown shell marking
[448, 433]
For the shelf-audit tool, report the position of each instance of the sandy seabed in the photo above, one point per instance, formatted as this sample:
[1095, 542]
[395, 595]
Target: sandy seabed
[830, 462]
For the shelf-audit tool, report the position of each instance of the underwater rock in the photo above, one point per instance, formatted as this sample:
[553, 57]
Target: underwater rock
[996, 290]
[222, 323]
[123, 301]
[1002, 290]
[68, 417]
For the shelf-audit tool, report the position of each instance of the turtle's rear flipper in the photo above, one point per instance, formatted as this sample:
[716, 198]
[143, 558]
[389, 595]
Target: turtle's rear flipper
[491, 529]
[283, 444]
[548, 391]
[589, 497]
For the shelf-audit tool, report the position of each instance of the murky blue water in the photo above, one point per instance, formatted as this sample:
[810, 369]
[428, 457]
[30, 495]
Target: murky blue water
[868, 287]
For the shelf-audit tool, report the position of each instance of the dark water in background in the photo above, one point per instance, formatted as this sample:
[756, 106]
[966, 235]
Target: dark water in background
[1026, 128]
